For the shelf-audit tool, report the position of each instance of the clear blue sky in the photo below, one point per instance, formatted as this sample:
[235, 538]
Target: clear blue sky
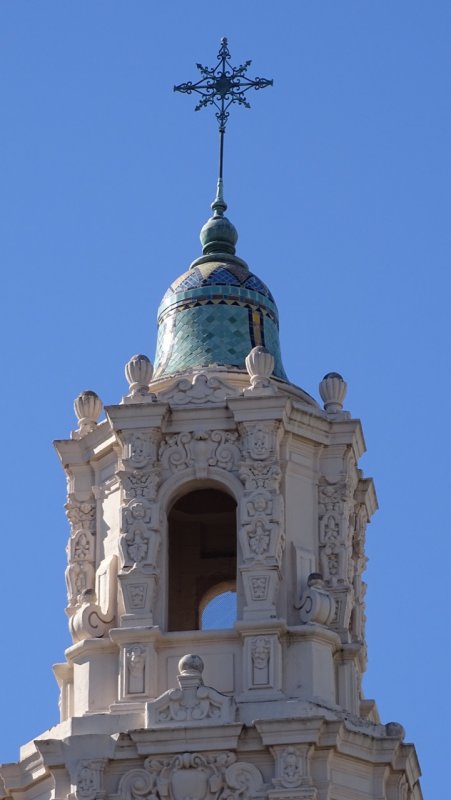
[338, 181]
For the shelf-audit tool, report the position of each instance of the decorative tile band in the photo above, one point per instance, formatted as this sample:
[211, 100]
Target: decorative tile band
[230, 294]
[206, 332]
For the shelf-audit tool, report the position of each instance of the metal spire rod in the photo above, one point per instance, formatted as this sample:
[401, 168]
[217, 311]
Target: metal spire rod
[221, 86]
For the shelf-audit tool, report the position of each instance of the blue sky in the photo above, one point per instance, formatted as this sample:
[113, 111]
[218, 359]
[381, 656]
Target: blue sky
[338, 181]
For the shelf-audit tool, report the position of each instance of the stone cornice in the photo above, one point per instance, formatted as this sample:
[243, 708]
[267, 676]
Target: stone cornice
[89, 647]
[289, 731]
[316, 632]
[130, 417]
[251, 409]
[187, 739]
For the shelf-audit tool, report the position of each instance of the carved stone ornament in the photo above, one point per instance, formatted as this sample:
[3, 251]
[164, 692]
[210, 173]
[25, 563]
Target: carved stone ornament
[140, 483]
[192, 776]
[80, 572]
[135, 657]
[140, 448]
[89, 779]
[138, 587]
[335, 536]
[81, 514]
[80, 579]
[200, 449]
[333, 392]
[201, 391]
[193, 703]
[87, 407]
[89, 621]
[260, 540]
[260, 475]
[260, 655]
[259, 365]
[292, 767]
[139, 371]
[261, 440]
[139, 544]
[317, 604]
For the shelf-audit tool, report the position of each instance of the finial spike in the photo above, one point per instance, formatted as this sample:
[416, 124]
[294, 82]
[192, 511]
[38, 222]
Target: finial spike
[219, 205]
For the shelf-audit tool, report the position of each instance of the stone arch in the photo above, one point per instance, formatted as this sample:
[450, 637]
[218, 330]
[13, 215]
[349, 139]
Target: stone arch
[199, 527]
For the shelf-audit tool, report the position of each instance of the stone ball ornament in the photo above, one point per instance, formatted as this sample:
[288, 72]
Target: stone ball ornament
[191, 664]
[139, 372]
[260, 365]
[333, 390]
[87, 407]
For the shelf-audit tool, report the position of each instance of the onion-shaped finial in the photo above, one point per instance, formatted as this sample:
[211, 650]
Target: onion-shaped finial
[259, 364]
[333, 392]
[139, 371]
[87, 407]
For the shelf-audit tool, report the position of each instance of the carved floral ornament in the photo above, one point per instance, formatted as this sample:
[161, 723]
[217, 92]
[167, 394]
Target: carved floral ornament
[192, 776]
[81, 514]
[202, 390]
[200, 449]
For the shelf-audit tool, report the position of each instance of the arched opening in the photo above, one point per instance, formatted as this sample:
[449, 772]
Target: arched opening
[202, 554]
[218, 607]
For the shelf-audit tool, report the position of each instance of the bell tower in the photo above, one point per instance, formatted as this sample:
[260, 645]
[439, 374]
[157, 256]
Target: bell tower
[216, 480]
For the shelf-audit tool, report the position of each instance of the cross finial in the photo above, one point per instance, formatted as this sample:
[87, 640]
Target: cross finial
[221, 86]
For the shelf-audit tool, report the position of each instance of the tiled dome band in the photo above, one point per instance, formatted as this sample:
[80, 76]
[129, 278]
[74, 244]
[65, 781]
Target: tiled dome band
[215, 325]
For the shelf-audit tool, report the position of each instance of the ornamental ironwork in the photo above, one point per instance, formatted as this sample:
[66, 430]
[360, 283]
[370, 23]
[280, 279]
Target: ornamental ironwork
[222, 86]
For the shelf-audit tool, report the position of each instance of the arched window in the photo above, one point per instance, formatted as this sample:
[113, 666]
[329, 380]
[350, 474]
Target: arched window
[202, 555]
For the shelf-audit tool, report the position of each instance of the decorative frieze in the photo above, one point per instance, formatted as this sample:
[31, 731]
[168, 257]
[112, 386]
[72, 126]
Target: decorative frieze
[201, 776]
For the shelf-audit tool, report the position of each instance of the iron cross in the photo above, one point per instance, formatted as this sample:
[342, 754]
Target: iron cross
[221, 86]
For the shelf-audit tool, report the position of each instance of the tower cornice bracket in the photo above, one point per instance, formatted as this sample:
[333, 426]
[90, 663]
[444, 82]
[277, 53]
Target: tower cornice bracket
[145, 415]
[258, 409]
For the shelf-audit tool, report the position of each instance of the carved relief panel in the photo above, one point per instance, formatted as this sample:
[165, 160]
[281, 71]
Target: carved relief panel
[80, 572]
[197, 776]
[262, 662]
[89, 779]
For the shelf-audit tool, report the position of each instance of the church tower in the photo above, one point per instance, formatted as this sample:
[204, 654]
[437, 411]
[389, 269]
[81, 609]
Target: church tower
[216, 479]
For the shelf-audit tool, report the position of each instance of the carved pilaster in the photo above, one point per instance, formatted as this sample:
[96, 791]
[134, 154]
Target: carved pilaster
[335, 546]
[261, 533]
[80, 572]
[139, 541]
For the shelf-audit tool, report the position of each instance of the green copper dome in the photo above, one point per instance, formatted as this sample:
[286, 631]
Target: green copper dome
[218, 310]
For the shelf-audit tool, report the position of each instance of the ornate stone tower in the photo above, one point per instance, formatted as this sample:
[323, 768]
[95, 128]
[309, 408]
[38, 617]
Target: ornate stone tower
[216, 477]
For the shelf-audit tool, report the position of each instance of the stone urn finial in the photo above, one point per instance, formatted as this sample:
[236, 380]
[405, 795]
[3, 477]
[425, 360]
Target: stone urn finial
[87, 407]
[139, 371]
[333, 392]
[260, 365]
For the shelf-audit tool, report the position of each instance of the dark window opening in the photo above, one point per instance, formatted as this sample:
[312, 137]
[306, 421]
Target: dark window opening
[202, 555]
